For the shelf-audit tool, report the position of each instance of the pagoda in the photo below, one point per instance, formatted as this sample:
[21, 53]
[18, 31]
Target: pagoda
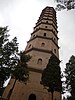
[42, 44]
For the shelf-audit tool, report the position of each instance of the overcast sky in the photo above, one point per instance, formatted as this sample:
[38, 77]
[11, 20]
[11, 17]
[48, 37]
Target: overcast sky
[21, 16]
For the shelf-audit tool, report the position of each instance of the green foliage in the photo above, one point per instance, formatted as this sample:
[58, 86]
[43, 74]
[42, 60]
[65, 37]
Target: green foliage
[2, 90]
[4, 74]
[65, 4]
[12, 63]
[21, 71]
[51, 76]
[70, 77]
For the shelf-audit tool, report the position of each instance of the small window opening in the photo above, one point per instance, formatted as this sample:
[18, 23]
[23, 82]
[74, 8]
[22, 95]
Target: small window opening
[39, 61]
[45, 26]
[44, 34]
[54, 50]
[43, 44]
[46, 21]
[54, 39]
[29, 46]
[33, 35]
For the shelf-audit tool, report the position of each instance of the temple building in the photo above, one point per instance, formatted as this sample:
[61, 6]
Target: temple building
[41, 45]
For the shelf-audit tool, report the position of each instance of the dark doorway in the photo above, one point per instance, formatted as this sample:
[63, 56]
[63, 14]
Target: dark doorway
[32, 97]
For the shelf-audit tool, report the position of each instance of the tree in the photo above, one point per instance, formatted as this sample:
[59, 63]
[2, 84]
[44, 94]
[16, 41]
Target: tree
[20, 72]
[65, 4]
[70, 77]
[12, 63]
[51, 76]
[8, 54]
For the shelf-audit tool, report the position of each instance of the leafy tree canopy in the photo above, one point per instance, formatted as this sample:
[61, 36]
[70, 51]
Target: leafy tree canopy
[21, 71]
[51, 76]
[6, 54]
[65, 4]
[11, 61]
[70, 77]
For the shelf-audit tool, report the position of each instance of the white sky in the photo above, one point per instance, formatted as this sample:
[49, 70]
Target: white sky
[21, 16]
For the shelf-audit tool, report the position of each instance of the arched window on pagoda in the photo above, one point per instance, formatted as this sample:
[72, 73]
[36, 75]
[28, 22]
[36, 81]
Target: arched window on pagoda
[43, 44]
[39, 61]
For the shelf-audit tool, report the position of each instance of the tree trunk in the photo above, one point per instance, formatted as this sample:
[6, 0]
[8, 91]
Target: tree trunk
[52, 95]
